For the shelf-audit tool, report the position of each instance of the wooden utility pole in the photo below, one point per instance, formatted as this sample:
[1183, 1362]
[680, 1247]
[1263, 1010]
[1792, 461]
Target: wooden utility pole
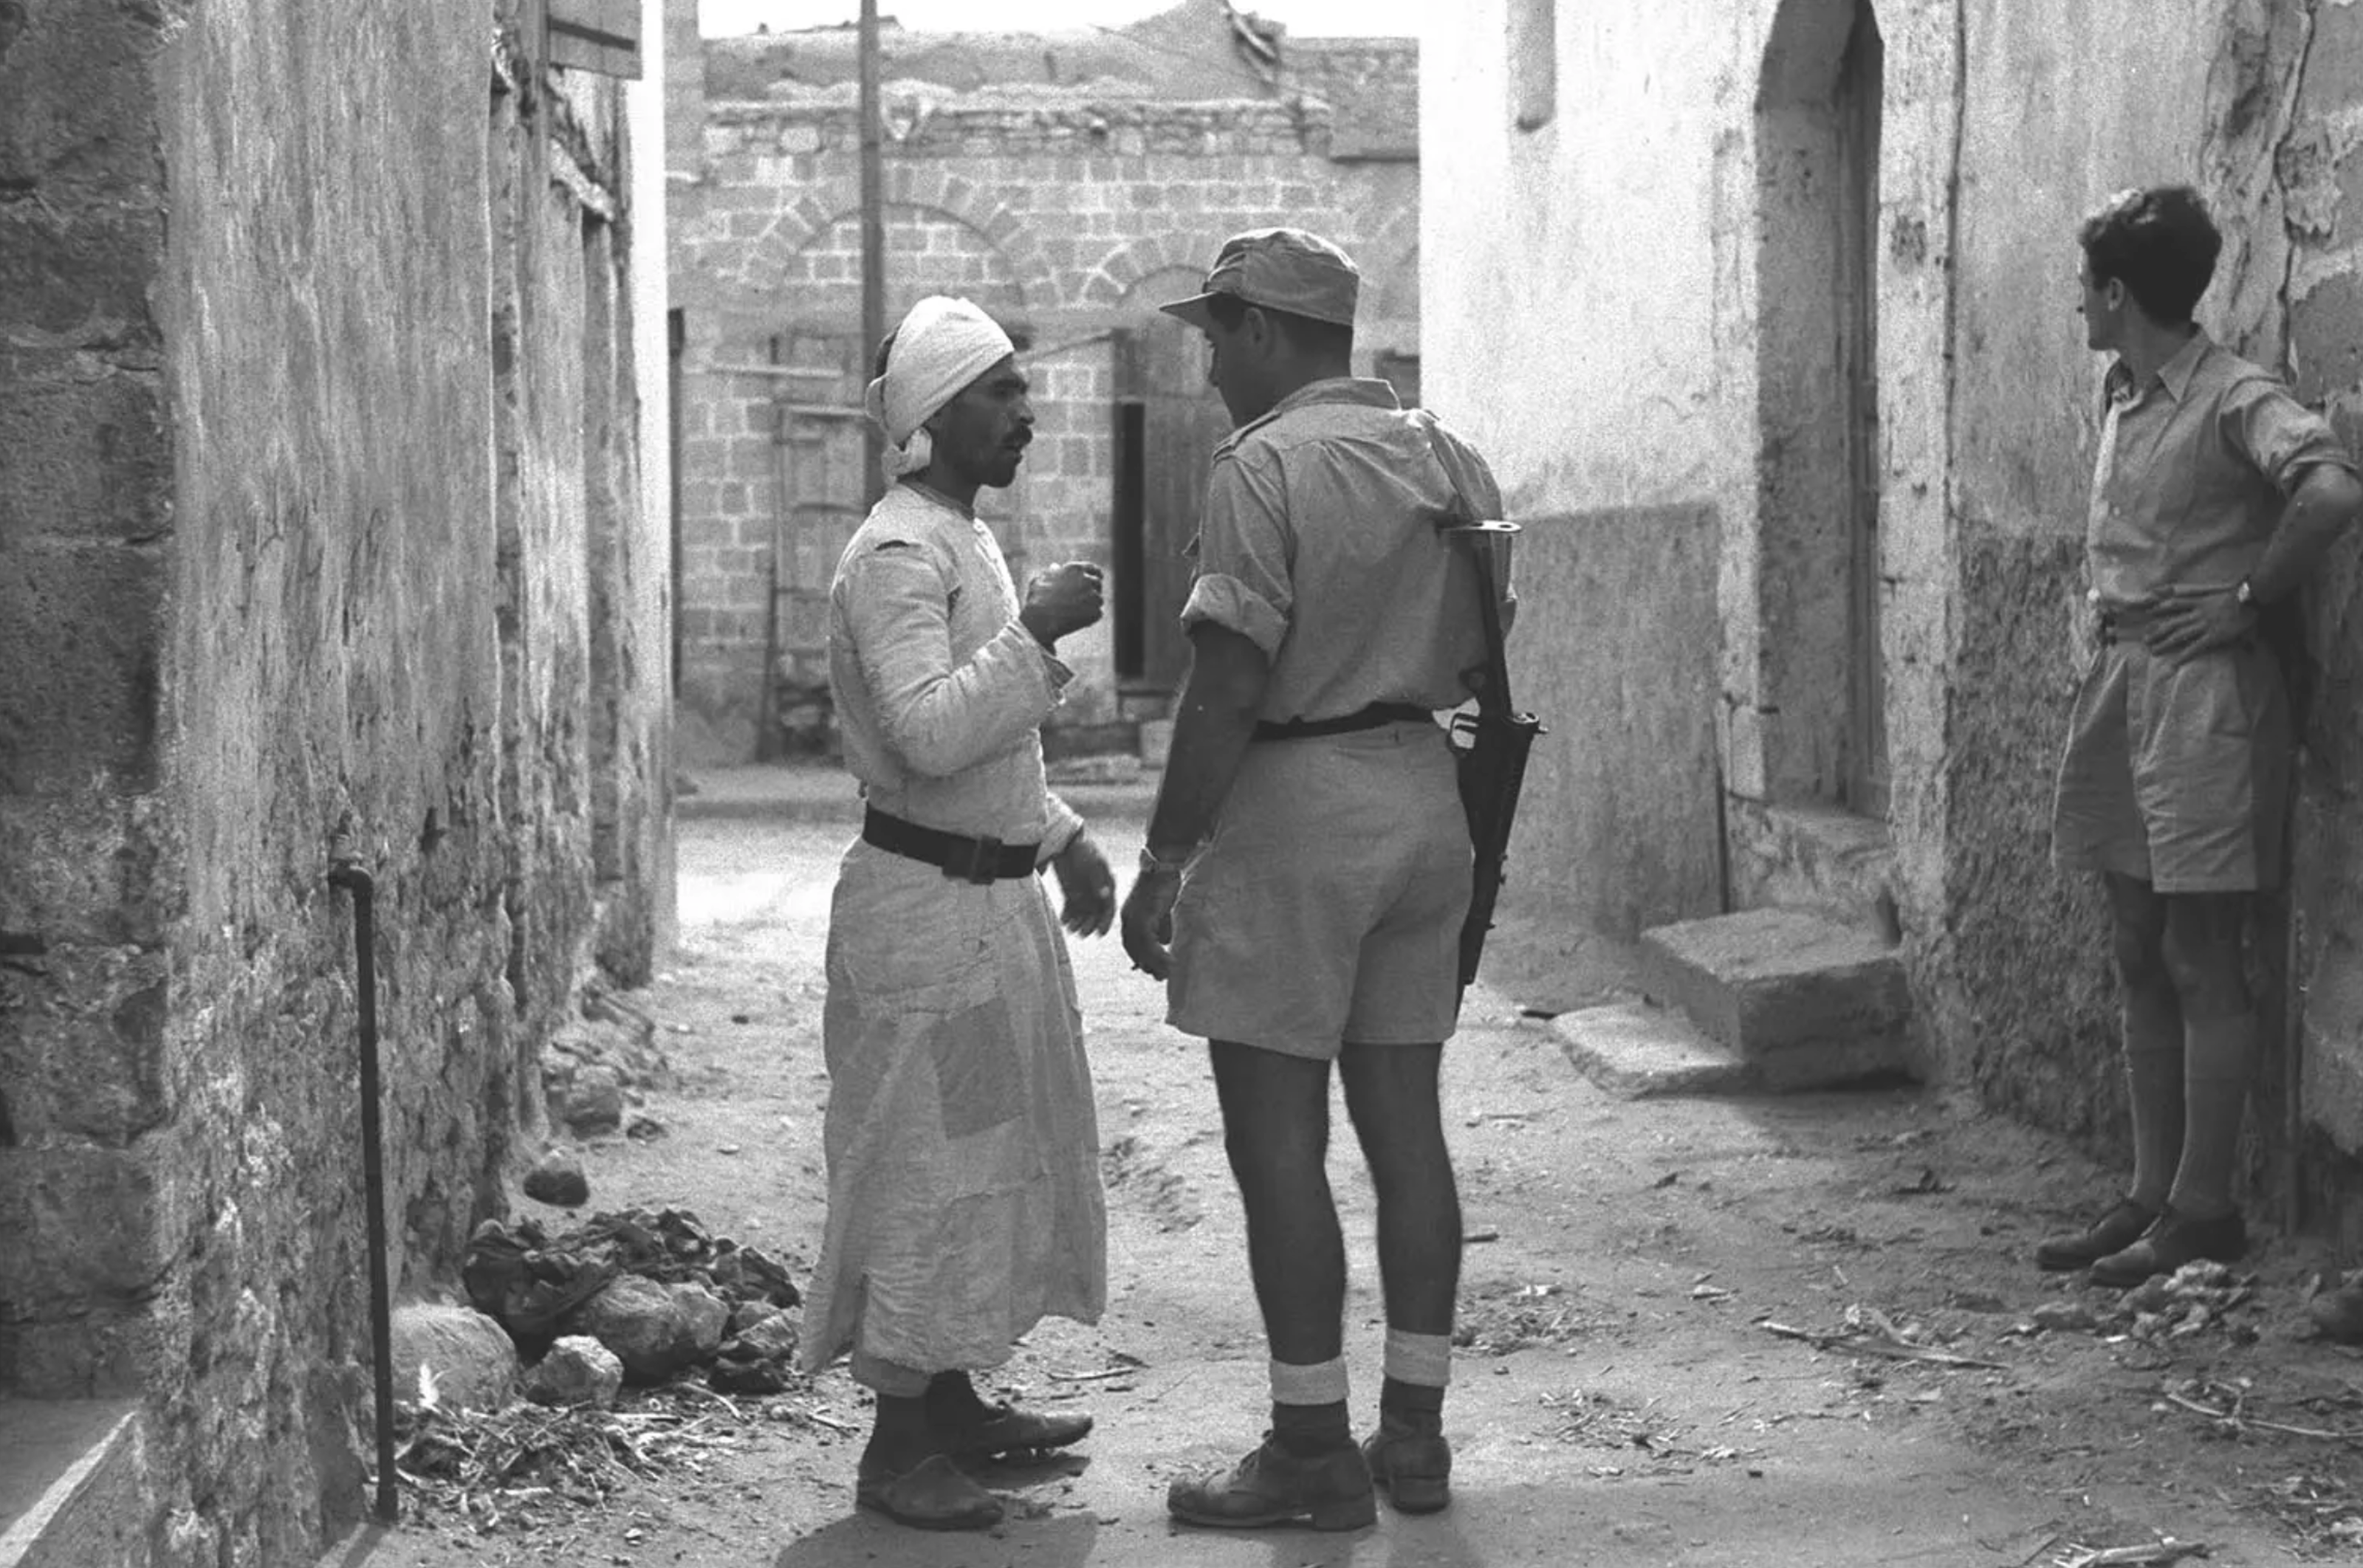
[873, 234]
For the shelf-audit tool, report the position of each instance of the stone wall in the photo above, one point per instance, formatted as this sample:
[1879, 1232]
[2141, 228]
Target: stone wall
[1637, 240]
[1067, 212]
[326, 539]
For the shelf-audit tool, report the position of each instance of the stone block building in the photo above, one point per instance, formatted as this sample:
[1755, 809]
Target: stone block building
[1770, 308]
[332, 488]
[1066, 182]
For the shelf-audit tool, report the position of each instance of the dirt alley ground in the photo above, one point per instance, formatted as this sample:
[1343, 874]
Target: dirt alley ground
[1618, 1398]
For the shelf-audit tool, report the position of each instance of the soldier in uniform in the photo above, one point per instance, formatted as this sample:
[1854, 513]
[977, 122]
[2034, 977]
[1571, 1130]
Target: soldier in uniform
[1308, 863]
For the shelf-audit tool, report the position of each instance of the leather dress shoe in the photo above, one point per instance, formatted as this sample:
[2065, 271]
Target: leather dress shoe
[2120, 1228]
[931, 1495]
[1329, 1490]
[2174, 1241]
[1007, 1431]
[1411, 1462]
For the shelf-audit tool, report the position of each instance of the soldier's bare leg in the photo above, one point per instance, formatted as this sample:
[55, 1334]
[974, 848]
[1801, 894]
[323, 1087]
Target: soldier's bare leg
[1391, 1094]
[2151, 1016]
[2203, 951]
[1276, 1131]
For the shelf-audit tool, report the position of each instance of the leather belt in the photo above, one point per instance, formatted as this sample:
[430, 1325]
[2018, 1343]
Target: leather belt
[977, 860]
[1369, 718]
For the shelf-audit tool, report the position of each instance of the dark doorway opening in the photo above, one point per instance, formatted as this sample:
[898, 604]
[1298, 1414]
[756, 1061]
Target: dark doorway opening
[1168, 423]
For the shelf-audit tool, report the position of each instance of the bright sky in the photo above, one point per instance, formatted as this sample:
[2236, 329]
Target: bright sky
[1349, 18]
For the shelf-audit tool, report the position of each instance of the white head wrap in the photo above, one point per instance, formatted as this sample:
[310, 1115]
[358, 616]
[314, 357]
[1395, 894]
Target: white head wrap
[942, 346]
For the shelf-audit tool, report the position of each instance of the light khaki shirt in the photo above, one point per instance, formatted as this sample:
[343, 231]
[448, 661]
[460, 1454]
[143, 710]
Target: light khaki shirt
[2193, 472]
[1320, 545]
[940, 692]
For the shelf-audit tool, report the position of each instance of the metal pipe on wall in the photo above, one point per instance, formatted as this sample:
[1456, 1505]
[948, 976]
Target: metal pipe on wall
[874, 240]
[356, 881]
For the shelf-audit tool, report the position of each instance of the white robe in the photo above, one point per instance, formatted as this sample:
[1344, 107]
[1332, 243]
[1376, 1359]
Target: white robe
[965, 1201]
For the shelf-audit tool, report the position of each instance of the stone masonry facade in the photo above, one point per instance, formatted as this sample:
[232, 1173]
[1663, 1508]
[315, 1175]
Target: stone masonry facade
[1068, 215]
[323, 541]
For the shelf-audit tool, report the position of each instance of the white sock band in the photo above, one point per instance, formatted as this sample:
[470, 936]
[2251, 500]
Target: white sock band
[1322, 1383]
[1423, 1359]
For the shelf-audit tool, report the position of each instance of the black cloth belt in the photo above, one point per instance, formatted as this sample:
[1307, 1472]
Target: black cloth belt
[1369, 718]
[979, 860]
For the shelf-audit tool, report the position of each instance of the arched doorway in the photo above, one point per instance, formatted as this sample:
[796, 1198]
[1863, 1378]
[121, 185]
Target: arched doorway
[1821, 683]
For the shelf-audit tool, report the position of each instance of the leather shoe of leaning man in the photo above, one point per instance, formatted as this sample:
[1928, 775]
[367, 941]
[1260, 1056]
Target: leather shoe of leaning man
[2120, 1228]
[2174, 1241]
[931, 1495]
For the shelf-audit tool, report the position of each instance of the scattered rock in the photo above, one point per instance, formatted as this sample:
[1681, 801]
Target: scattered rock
[2197, 1296]
[557, 1178]
[514, 1276]
[2063, 1317]
[468, 1359]
[578, 1370]
[657, 1288]
[704, 1317]
[752, 1272]
[593, 1101]
[756, 1376]
[640, 1320]
[759, 1358]
[772, 1336]
[645, 1128]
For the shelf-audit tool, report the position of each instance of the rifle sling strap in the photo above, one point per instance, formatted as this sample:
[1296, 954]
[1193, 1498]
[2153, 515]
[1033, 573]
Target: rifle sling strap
[1494, 697]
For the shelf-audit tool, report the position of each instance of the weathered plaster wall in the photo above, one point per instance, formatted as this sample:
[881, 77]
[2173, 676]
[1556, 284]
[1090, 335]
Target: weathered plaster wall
[1590, 387]
[1065, 211]
[2027, 1006]
[2006, 121]
[1616, 829]
[2310, 147]
[1595, 317]
[305, 584]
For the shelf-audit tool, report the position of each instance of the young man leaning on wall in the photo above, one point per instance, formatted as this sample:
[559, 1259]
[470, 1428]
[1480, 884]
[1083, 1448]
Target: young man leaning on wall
[2214, 496]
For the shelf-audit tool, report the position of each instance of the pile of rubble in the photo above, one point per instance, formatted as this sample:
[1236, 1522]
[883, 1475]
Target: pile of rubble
[2197, 1296]
[634, 1296]
[600, 1064]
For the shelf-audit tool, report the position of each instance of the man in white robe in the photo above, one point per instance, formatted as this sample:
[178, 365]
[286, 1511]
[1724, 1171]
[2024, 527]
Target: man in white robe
[963, 1151]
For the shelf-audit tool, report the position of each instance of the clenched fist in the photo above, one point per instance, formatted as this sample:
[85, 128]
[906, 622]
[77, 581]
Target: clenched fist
[1061, 599]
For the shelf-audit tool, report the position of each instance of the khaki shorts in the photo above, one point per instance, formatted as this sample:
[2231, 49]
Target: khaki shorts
[1327, 906]
[2177, 774]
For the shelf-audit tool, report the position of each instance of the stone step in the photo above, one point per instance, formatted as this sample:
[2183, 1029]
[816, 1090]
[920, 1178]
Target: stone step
[1642, 1052]
[1805, 1001]
[1816, 858]
[72, 1484]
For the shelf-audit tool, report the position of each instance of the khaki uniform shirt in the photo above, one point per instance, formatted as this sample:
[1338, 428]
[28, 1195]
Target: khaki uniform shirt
[1320, 545]
[2192, 475]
